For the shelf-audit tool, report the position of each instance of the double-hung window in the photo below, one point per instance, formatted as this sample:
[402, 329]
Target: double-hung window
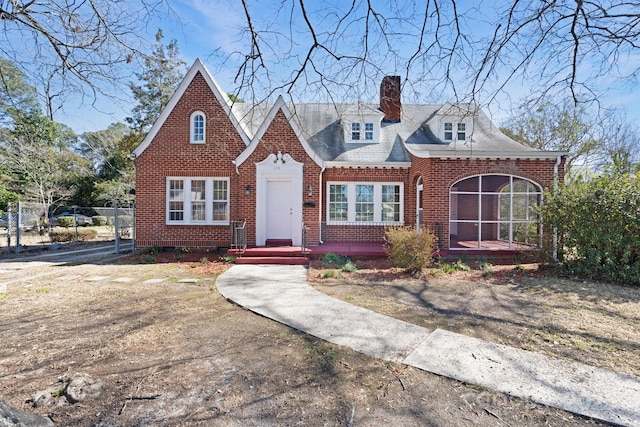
[365, 203]
[462, 131]
[368, 131]
[448, 131]
[355, 131]
[197, 201]
[175, 210]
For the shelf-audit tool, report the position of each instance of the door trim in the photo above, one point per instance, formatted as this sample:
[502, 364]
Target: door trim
[279, 167]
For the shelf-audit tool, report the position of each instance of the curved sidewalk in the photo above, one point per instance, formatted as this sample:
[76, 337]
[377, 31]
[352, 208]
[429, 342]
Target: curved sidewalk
[282, 293]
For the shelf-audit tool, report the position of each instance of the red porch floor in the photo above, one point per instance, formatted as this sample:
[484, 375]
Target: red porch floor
[294, 255]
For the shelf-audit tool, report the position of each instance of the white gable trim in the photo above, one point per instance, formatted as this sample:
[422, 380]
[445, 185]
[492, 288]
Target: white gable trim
[279, 105]
[223, 100]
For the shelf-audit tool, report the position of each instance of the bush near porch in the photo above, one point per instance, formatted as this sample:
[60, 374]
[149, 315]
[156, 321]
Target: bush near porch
[598, 223]
[410, 249]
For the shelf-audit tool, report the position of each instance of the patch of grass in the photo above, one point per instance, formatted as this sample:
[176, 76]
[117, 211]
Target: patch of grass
[350, 298]
[486, 268]
[453, 267]
[204, 260]
[43, 290]
[4, 295]
[228, 259]
[349, 267]
[329, 274]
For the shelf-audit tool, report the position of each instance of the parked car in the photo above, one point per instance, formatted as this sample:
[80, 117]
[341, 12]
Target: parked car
[81, 220]
[29, 221]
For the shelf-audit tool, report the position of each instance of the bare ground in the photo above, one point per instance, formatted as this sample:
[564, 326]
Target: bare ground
[175, 353]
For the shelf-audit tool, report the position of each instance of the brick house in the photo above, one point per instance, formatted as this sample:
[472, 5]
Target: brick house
[345, 171]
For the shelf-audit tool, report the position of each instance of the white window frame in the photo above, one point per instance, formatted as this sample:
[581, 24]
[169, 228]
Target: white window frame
[452, 128]
[448, 131]
[192, 128]
[367, 129]
[187, 201]
[377, 203]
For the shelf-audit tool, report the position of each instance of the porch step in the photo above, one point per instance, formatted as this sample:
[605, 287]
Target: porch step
[278, 242]
[281, 260]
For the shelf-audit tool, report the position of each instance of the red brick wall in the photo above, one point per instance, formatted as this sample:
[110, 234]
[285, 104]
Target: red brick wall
[170, 154]
[363, 232]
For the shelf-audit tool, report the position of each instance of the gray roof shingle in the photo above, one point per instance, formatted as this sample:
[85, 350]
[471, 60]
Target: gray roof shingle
[321, 126]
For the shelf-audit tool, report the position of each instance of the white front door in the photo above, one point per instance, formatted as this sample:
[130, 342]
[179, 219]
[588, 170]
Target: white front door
[279, 183]
[279, 210]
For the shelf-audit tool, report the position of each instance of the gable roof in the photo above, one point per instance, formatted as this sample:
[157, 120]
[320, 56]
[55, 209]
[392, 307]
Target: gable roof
[319, 128]
[223, 99]
[259, 133]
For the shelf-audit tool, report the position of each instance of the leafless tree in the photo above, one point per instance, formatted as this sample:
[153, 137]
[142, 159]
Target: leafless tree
[558, 47]
[76, 46]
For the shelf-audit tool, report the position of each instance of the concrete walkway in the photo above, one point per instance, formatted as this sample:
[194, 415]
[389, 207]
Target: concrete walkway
[282, 293]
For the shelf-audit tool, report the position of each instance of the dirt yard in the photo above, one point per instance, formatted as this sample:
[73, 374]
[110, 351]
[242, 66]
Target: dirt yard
[171, 351]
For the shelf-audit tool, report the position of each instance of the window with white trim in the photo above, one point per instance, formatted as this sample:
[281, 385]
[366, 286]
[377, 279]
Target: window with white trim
[454, 131]
[368, 131]
[363, 132]
[448, 131]
[365, 203]
[175, 210]
[197, 128]
[461, 132]
[355, 131]
[197, 201]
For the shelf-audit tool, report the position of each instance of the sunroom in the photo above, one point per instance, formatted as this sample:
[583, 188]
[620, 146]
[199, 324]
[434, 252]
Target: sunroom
[494, 212]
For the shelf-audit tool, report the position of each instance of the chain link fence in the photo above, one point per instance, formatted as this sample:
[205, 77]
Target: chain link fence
[25, 226]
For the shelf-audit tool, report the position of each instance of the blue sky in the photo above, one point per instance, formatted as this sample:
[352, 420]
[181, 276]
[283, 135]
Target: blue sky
[209, 30]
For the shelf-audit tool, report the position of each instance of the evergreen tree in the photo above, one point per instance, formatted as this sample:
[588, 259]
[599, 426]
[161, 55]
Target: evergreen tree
[164, 70]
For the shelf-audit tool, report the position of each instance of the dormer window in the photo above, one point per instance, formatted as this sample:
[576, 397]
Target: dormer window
[368, 131]
[355, 131]
[448, 131]
[361, 124]
[197, 128]
[453, 129]
[461, 132]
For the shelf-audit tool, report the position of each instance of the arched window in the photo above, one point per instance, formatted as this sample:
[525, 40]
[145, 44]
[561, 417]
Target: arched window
[493, 212]
[198, 128]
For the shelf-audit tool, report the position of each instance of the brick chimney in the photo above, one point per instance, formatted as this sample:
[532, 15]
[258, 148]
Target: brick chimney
[390, 98]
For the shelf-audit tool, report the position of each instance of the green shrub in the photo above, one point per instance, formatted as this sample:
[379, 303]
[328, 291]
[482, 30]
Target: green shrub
[349, 267]
[329, 274]
[334, 259]
[453, 267]
[66, 221]
[598, 222]
[99, 220]
[84, 234]
[410, 249]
